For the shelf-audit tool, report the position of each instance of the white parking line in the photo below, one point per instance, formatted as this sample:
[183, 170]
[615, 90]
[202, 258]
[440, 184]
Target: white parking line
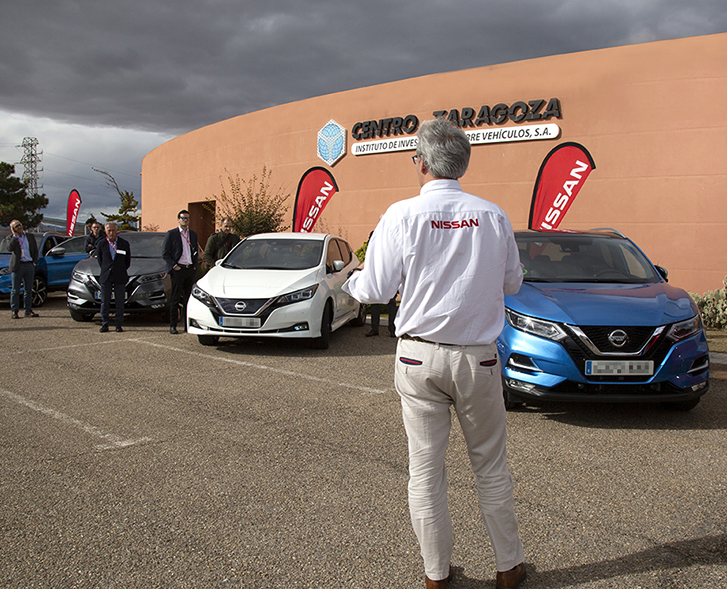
[268, 368]
[112, 441]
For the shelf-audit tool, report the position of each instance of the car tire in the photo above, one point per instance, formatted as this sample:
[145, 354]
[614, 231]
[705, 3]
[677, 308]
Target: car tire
[322, 342]
[208, 340]
[360, 319]
[682, 405]
[40, 291]
[82, 317]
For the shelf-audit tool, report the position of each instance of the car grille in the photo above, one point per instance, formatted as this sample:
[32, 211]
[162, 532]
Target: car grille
[638, 338]
[251, 306]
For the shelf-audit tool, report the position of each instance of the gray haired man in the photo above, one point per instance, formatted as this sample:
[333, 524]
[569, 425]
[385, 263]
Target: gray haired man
[452, 256]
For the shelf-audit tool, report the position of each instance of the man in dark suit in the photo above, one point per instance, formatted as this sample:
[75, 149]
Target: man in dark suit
[180, 253]
[22, 264]
[114, 257]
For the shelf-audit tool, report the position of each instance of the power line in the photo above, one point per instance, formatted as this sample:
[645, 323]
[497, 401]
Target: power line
[91, 165]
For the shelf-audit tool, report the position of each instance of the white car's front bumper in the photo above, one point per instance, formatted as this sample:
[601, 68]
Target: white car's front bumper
[295, 320]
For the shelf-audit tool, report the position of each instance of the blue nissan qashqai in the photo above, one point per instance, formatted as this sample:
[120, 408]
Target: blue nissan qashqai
[596, 321]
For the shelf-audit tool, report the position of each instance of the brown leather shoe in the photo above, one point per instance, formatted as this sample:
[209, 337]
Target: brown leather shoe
[438, 584]
[512, 578]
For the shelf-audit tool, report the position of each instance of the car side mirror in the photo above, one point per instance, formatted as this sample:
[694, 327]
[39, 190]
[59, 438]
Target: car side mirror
[338, 265]
[663, 272]
[57, 252]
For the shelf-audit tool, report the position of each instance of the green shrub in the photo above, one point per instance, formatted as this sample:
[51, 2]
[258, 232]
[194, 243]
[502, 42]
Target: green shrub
[713, 307]
[361, 252]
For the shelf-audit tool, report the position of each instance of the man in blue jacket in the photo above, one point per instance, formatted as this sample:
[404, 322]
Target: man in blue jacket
[114, 257]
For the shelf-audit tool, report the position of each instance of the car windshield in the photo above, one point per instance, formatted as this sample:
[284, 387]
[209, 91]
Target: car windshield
[561, 257]
[275, 254]
[144, 245]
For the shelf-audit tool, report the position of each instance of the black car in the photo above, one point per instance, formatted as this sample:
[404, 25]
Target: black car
[148, 289]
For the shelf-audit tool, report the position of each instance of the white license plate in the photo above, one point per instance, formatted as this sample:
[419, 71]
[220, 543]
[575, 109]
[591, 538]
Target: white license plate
[619, 367]
[97, 295]
[239, 321]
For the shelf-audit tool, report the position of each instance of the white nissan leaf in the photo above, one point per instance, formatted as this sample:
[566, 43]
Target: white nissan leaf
[285, 285]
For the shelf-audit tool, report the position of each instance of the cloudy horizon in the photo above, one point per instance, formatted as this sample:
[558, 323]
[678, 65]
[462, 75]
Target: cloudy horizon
[102, 84]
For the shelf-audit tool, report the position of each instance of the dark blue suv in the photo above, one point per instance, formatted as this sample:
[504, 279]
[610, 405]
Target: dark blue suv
[596, 321]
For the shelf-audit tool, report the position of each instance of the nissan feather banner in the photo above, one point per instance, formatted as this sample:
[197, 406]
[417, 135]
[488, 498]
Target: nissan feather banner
[315, 190]
[74, 204]
[562, 174]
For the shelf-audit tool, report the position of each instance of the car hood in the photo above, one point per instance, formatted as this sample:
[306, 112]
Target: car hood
[603, 304]
[138, 266]
[255, 284]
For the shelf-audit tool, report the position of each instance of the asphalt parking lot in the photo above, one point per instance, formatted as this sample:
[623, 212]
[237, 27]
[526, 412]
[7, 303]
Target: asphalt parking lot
[142, 459]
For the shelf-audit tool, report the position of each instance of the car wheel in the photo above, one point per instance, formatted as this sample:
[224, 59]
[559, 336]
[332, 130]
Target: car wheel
[78, 316]
[208, 340]
[360, 319]
[322, 342]
[681, 406]
[40, 291]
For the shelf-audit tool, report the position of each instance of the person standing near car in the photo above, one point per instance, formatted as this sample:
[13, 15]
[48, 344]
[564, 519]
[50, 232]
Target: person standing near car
[179, 251]
[220, 244]
[114, 257]
[23, 260]
[375, 311]
[93, 238]
[453, 257]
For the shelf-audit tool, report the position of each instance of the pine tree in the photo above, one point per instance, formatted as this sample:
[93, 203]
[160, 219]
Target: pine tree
[15, 203]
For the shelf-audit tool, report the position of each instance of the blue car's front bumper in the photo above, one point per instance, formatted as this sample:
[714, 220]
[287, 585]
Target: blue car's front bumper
[537, 369]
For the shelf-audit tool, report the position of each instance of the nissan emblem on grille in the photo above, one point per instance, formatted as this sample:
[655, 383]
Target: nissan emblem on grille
[618, 338]
[241, 306]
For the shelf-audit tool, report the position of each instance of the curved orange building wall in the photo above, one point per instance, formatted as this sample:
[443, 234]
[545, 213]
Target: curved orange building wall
[650, 115]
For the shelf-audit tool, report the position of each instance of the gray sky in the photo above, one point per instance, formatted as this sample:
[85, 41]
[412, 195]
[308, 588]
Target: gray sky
[100, 84]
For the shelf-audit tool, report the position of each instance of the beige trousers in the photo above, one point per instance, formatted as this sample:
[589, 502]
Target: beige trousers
[430, 378]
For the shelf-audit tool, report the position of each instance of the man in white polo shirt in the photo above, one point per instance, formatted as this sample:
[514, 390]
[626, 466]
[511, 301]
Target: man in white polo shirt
[452, 256]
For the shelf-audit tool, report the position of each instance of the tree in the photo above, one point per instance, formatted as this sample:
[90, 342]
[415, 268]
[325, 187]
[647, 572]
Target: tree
[251, 205]
[128, 215]
[15, 203]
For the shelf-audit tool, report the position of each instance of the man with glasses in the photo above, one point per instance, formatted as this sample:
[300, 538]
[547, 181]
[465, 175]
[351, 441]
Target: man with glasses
[23, 261]
[453, 257]
[179, 251]
[220, 244]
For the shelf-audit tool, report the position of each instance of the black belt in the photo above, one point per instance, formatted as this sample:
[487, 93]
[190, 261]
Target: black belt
[186, 266]
[24, 262]
[415, 338]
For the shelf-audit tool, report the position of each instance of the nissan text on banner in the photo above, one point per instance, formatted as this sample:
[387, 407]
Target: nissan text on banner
[74, 204]
[316, 188]
[561, 176]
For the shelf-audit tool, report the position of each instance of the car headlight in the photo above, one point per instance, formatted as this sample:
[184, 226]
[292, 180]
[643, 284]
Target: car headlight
[81, 277]
[4, 271]
[684, 329]
[151, 277]
[203, 297]
[297, 296]
[539, 327]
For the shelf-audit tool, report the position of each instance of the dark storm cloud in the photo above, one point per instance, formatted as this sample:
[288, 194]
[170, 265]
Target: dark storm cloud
[175, 65]
[100, 84]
